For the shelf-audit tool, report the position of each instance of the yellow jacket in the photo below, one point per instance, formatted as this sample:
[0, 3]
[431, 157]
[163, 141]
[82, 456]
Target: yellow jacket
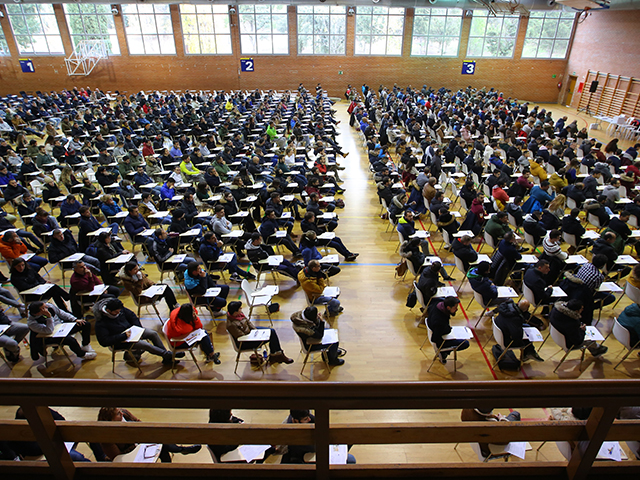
[537, 170]
[558, 182]
[312, 286]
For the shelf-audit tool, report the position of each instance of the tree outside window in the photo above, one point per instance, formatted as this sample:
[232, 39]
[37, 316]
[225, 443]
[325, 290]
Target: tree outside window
[264, 29]
[35, 29]
[149, 29]
[322, 29]
[548, 34]
[91, 21]
[206, 29]
[436, 32]
[379, 30]
[492, 36]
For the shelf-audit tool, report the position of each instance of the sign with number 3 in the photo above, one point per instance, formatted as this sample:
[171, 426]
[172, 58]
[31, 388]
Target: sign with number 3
[468, 68]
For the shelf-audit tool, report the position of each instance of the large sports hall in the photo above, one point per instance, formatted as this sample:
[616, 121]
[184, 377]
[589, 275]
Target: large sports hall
[320, 239]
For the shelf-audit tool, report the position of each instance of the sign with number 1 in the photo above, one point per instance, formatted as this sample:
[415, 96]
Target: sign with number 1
[468, 68]
[26, 65]
[247, 65]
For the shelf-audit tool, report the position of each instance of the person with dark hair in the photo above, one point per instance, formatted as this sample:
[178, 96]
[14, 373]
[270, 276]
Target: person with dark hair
[135, 281]
[257, 251]
[313, 281]
[571, 225]
[222, 416]
[108, 249]
[211, 249]
[482, 284]
[487, 415]
[309, 251]
[504, 258]
[43, 319]
[515, 210]
[429, 281]
[604, 246]
[620, 226]
[23, 277]
[63, 245]
[311, 222]
[12, 337]
[566, 318]
[438, 315]
[536, 279]
[12, 247]
[184, 320]
[295, 453]
[197, 281]
[463, 250]
[269, 228]
[534, 227]
[309, 325]
[134, 224]
[112, 450]
[113, 329]
[239, 325]
[598, 208]
[511, 319]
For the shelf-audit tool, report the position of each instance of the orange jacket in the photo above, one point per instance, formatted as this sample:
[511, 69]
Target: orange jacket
[178, 328]
[11, 251]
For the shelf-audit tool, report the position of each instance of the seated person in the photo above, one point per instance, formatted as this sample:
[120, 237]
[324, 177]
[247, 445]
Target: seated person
[313, 281]
[211, 249]
[222, 416]
[505, 258]
[308, 324]
[487, 415]
[463, 250]
[88, 224]
[439, 314]
[182, 321]
[536, 279]
[268, 229]
[239, 325]
[629, 319]
[533, 226]
[112, 450]
[447, 221]
[134, 223]
[571, 225]
[23, 277]
[135, 281]
[406, 226]
[113, 324]
[309, 251]
[12, 247]
[296, 453]
[64, 245]
[310, 224]
[109, 207]
[162, 248]
[566, 318]
[108, 249]
[604, 246]
[511, 318]
[515, 210]
[83, 280]
[197, 281]
[498, 226]
[598, 208]
[482, 284]
[429, 281]
[257, 251]
[11, 338]
[43, 318]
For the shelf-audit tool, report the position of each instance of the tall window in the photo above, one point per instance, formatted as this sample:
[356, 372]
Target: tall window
[149, 30]
[206, 29]
[35, 29]
[4, 48]
[492, 36]
[436, 32]
[379, 30]
[322, 29]
[90, 21]
[264, 29]
[548, 34]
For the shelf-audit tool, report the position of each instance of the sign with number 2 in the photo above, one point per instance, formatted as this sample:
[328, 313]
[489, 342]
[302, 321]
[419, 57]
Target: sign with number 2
[246, 65]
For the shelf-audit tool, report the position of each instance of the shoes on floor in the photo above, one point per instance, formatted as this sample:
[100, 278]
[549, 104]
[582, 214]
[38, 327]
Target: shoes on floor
[88, 349]
[89, 356]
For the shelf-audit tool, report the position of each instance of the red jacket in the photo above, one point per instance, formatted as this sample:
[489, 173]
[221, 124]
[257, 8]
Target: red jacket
[178, 328]
[11, 251]
[84, 283]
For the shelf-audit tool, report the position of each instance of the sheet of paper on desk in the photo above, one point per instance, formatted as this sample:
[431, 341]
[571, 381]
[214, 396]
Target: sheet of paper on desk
[331, 291]
[528, 259]
[147, 452]
[275, 260]
[506, 292]
[195, 336]
[226, 258]
[4, 328]
[212, 292]
[38, 290]
[253, 452]
[280, 234]
[327, 199]
[153, 290]
[73, 258]
[626, 260]
[577, 259]
[190, 233]
[73, 215]
[123, 258]
[592, 333]
[178, 258]
[459, 333]
[517, 449]
[258, 334]
[327, 236]
[97, 290]
[330, 336]
[420, 234]
[161, 214]
[27, 256]
[234, 234]
[533, 334]
[609, 287]
[610, 451]
[446, 292]
[63, 329]
[558, 292]
[136, 334]
[330, 259]
[268, 290]
[286, 215]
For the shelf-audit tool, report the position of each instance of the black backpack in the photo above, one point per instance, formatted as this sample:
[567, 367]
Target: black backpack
[508, 362]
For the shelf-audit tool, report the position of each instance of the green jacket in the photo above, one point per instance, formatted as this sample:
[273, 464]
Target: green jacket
[496, 229]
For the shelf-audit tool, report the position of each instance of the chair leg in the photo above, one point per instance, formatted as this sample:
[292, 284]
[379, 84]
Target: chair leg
[304, 363]
[113, 361]
[425, 341]
[561, 361]
[195, 360]
[623, 358]
[237, 361]
[157, 313]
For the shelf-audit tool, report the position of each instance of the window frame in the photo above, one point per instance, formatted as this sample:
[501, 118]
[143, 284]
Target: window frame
[446, 16]
[4, 45]
[330, 35]
[23, 17]
[214, 34]
[485, 14]
[256, 34]
[370, 35]
[83, 36]
[155, 19]
[539, 37]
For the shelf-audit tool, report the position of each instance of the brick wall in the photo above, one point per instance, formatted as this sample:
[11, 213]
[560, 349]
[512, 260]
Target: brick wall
[528, 79]
[607, 41]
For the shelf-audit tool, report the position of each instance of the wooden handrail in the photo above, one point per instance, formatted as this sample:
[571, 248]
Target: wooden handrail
[35, 395]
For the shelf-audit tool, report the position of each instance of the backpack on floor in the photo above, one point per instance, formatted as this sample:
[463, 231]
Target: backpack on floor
[508, 362]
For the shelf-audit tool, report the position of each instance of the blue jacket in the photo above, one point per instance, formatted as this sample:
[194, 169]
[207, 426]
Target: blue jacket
[166, 192]
[110, 210]
[540, 195]
[209, 252]
[406, 228]
[135, 225]
[310, 253]
[142, 179]
[268, 228]
[483, 285]
[69, 208]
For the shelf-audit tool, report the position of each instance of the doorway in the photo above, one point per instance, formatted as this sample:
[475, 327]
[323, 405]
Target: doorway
[568, 96]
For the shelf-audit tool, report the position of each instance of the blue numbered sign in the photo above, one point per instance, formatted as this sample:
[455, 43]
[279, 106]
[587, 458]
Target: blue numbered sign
[247, 65]
[27, 66]
[468, 68]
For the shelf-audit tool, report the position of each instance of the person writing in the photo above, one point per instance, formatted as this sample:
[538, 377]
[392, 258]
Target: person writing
[182, 321]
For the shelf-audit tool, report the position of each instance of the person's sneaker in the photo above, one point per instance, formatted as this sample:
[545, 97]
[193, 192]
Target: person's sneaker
[89, 356]
[250, 276]
[220, 313]
[215, 358]
[12, 357]
[167, 359]
[88, 349]
[299, 263]
[442, 358]
[337, 362]
[350, 258]
[215, 277]
[235, 277]
[601, 350]
[180, 354]
[341, 352]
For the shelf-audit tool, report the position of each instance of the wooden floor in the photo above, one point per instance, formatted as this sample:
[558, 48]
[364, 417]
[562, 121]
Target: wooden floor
[378, 331]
